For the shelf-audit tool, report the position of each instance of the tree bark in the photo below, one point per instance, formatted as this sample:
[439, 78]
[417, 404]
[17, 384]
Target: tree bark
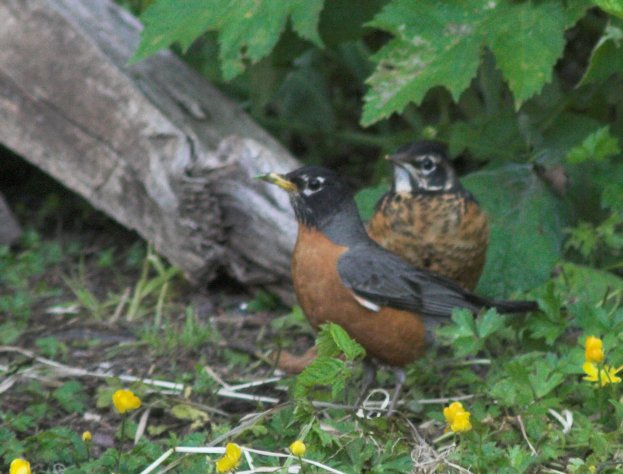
[153, 145]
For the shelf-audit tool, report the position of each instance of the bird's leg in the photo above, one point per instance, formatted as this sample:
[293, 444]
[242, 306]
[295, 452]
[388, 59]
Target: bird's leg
[369, 375]
[400, 375]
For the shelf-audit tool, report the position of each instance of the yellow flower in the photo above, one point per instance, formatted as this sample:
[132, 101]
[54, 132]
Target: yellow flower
[230, 459]
[19, 466]
[461, 422]
[602, 375]
[457, 417]
[594, 349]
[298, 448]
[86, 436]
[125, 400]
[450, 411]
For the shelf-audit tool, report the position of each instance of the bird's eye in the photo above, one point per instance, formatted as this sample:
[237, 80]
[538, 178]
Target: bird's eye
[314, 184]
[428, 165]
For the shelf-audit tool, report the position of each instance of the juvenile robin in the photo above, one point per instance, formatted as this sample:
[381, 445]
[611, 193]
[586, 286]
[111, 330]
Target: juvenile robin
[429, 218]
[341, 275]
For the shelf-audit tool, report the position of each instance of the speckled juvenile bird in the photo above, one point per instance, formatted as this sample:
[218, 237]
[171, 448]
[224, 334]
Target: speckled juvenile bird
[429, 218]
[342, 276]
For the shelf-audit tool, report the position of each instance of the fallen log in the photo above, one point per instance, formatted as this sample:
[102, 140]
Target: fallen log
[153, 145]
[10, 231]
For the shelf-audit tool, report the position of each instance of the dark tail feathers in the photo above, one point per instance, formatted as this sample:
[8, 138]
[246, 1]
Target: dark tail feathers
[515, 306]
[506, 306]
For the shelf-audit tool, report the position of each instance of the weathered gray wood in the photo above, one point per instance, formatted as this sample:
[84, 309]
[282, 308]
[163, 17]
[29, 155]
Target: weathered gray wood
[153, 145]
[10, 230]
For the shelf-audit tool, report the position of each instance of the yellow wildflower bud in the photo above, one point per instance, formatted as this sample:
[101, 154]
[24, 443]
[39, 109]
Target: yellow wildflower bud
[602, 375]
[594, 349]
[298, 448]
[19, 466]
[457, 417]
[230, 459]
[125, 400]
[87, 436]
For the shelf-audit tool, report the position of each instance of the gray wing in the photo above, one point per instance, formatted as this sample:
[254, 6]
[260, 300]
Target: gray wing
[384, 279]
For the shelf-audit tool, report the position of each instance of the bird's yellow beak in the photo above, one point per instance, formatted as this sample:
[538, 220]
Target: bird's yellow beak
[279, 180]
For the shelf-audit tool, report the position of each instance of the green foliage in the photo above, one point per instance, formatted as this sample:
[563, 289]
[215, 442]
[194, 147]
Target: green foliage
[526, 222]
[333, 340]
[606, 58]
[528, 97]
[295, 320]
[440, 44]
[600, 243]
[588, 285]
[367, 198]
[18, 269]
[597, 146]
[263, 301]
[71, 396]
[467, 334]
[248, 30]
[327, 369]
[613, 7]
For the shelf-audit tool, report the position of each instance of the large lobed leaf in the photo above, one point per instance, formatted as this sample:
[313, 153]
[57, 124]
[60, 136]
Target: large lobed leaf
[440, 43]
[526, 221]
[607, 56]
[614, 7]
[248, 29]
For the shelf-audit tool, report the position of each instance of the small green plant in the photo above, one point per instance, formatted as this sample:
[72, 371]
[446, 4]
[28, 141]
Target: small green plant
[155, 286]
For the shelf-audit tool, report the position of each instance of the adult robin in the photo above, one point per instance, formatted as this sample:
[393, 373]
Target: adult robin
[429, 218]
[341, 275]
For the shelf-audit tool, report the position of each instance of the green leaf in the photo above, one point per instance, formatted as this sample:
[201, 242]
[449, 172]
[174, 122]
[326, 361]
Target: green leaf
[613, 7]
[71, 396]
[519, 459]
[323, 371]
[10, 447]
[197, 417]
[440, 44]
[506, 393]
[333, 340]
[304, 95]
[170, 21]
[550, 323]
[587, 285]
[489, 323]
[544, 378]
[434, 44]
[488, 137]
[468, 335]
[462, 334]
[367, 198]
[607, 56]
[527, 39]
[612, 196]
[597, 146]
[248, 29]
[526, 222]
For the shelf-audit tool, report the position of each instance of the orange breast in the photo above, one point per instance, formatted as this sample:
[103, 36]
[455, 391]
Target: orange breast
[446, 234]
[391, 335]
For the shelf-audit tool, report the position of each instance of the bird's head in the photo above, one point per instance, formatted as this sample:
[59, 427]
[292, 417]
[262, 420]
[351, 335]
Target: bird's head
[316, 193]
[423, 166]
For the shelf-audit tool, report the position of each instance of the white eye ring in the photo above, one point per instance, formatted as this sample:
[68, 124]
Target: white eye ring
[312, 185]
